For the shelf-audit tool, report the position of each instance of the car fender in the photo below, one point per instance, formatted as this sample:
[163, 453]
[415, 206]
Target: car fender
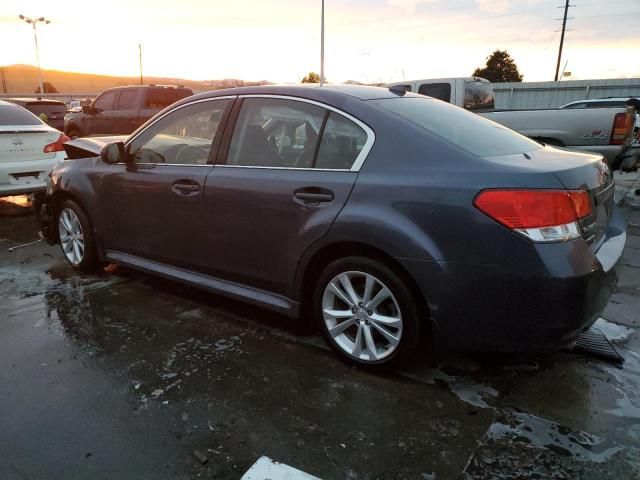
[68, 181]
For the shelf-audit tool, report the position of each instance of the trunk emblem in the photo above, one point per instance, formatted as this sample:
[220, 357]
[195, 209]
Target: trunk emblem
[17, 141]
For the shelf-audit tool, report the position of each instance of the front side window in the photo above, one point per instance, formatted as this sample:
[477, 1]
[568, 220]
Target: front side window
[184, 136]
[273, 132]
[128, 99]
[342, 142]
[106, 101]
[441, 91]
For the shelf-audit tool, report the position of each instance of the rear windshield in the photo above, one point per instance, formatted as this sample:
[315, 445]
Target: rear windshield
[46, 108]
[14, 115]
[469, 131]
[163, 97]
[478, 96]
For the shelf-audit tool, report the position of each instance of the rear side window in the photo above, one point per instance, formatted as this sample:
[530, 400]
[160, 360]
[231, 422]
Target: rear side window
[14, 115]
[467, 130]
[273, 132]
[441, 91]
[128, 100]
[163, 97]
[478, 96]
[342, 142]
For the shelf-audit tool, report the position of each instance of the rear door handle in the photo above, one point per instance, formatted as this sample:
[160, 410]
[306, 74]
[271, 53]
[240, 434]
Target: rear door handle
[313, 195]
[185, 188]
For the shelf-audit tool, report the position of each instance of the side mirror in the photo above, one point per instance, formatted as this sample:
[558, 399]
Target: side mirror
[113, 153]
[88, 109]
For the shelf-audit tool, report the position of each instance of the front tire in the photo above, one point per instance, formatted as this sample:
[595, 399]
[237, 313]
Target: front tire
[76, 237]
[366, 312]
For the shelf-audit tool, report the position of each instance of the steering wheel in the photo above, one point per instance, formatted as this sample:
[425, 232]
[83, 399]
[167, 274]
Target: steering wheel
[189, 154]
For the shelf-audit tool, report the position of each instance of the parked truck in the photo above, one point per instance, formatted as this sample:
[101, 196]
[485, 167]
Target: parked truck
[121, 110]
[607, 131]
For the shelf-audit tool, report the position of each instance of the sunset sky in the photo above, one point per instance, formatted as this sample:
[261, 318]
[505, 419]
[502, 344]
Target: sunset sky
[366, 40]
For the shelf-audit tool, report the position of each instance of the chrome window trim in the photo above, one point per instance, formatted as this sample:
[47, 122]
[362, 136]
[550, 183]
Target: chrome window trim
[360, 159]
[218, 165]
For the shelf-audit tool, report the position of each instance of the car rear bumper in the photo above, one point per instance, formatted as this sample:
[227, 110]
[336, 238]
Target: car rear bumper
[25, 176]
[501, 309]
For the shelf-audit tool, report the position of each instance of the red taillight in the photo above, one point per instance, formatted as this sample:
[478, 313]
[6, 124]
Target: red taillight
[57, 145]
[525, 209]
[620, 128]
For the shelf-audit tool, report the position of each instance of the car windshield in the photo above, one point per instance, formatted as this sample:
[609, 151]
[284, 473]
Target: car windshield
[467, 130]
[14, 115]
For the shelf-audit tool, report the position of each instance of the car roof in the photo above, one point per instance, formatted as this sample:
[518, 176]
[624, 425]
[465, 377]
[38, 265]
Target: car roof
[327, 93]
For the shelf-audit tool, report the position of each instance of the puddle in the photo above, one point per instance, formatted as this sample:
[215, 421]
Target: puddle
[464, 388]
[615, 333]
[543, 433]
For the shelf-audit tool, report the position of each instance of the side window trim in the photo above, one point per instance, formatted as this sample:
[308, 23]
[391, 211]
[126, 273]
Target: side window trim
[319, 141]
[212, 154]
[357, 164]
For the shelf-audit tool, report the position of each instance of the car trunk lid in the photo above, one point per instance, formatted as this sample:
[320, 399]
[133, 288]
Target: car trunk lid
[26, 142]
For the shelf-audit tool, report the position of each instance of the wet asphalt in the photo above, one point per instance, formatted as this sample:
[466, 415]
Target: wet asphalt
[124, 376]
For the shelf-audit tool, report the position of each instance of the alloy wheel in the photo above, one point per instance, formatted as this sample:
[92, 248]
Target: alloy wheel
[362, 316]
[71, 236]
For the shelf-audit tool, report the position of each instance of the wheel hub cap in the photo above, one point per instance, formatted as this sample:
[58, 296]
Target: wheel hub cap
[71, 236]
[362, 316]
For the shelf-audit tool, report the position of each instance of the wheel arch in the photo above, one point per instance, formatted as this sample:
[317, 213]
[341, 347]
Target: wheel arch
[57, 198]
[317, 261]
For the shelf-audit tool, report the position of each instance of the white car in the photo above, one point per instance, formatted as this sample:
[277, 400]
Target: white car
[29, 148]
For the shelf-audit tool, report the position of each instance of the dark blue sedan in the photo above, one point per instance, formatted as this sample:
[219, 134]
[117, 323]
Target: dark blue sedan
[379, 215]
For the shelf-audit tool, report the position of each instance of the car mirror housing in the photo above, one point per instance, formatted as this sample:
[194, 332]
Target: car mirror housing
[88, 109]
[113, 153]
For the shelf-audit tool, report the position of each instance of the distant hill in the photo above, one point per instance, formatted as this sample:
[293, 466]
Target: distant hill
[21, 79]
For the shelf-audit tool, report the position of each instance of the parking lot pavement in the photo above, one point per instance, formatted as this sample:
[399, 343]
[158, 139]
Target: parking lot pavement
[123, 375]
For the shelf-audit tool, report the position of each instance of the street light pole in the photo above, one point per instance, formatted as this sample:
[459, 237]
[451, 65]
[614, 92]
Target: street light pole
[322, 46]
[33, 22]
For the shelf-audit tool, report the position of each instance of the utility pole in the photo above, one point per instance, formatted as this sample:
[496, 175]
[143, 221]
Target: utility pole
[564, 27]
[140, 55]
[33, 22]
[4, 81]
[322, 46]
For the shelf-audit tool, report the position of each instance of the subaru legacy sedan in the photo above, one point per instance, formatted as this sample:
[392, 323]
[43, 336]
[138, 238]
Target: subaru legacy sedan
[381, 216]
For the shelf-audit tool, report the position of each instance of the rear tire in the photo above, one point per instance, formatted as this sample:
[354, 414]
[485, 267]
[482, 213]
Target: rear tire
[366, 312]
[76, 237]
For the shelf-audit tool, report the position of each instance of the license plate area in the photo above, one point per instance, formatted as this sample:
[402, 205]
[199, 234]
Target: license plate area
[25, 178]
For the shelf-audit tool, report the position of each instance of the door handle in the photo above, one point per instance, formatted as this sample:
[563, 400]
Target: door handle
[186, 189]
[313, 195]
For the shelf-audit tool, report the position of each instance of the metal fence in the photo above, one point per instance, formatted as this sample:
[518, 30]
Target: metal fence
[539, 95]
